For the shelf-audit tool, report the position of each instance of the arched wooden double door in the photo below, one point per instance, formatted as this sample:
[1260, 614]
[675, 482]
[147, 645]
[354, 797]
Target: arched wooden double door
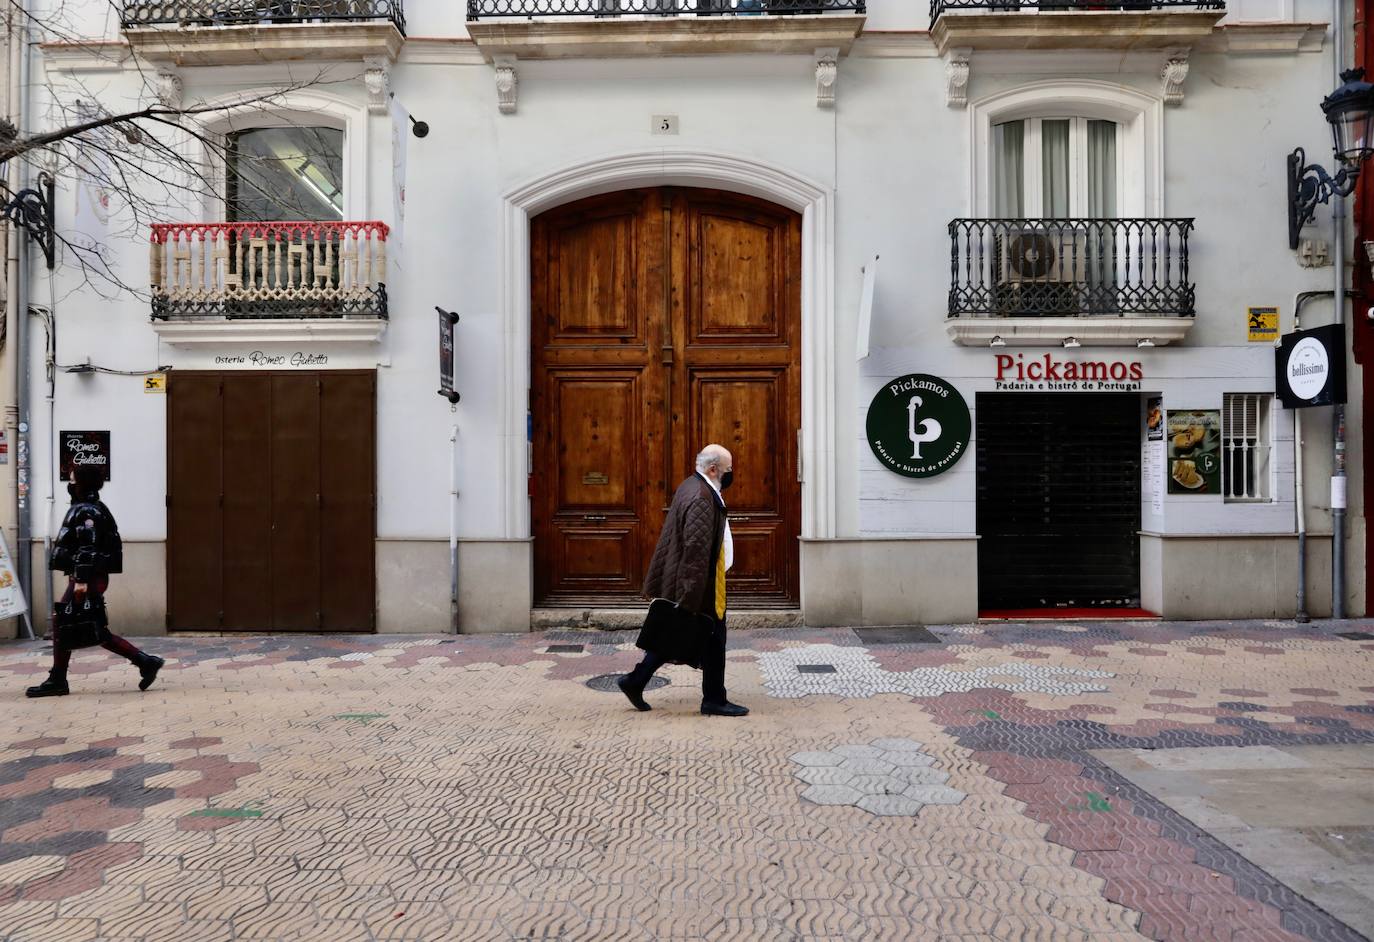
[663, 319]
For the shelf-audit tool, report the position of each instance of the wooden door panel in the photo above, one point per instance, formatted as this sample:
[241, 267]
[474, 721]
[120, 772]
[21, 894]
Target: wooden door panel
[348, 501]
[295, 542]
[247, 556]
[594, 557]
[743, 413]
[194, 515]
[737, 275]
[593, 257]
[596, 416]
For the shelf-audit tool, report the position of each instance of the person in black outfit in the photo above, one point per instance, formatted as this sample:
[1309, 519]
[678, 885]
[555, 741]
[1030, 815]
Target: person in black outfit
[88, 550]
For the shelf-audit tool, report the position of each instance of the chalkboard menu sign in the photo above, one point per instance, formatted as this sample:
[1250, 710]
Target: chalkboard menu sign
[85, 448]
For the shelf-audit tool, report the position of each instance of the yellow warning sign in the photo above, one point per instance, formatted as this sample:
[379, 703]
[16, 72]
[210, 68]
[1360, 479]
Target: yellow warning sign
[155, 383]
[1264, 324]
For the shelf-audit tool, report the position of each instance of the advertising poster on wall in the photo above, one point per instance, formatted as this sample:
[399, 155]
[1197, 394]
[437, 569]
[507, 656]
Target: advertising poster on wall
[1194, 441]
[1154, 452]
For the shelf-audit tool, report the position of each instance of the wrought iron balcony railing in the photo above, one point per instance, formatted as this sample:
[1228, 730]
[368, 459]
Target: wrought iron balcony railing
[482, 9]
[1061, 6]
[1069, 267]
[253, 12]
[268, 270]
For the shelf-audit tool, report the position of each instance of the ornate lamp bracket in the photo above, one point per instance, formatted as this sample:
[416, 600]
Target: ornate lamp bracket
[1309, 185]
[31, 209]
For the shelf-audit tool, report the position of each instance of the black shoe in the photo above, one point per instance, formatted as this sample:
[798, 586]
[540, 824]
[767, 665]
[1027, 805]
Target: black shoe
[724, 708]
[634, 694]
[149, 667]
[49, 688]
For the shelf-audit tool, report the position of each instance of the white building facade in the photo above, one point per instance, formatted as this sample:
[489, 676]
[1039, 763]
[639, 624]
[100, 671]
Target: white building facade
[739, 222]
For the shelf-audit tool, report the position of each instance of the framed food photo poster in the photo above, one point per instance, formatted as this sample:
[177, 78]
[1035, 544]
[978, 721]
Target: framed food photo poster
[1194, 442]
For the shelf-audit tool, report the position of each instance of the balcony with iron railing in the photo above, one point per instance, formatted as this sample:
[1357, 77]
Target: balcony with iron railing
[229, 32]
[1070, 24]
[549, 29]
[1107, 281]
[325, 280]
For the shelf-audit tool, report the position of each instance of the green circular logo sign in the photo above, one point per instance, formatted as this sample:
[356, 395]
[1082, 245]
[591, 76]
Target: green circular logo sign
[919, 425]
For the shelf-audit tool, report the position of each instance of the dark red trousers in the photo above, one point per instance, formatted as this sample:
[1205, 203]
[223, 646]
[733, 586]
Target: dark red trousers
[61, 657]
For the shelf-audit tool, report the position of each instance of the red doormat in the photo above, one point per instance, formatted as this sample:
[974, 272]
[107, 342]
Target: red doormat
[1031, 614]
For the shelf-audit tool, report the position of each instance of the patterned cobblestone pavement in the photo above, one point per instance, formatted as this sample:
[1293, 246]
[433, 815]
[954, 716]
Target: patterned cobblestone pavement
[475, 788]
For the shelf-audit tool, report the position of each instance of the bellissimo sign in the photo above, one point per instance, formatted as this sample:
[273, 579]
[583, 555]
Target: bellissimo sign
[1046, 373]
[918, 425]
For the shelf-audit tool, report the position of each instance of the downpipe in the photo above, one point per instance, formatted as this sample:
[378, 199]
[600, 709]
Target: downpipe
[1300, 510]
[453, 529]
[1338, 480]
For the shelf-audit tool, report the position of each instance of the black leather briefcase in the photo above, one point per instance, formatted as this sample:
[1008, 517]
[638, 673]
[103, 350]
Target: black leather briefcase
[674, 633]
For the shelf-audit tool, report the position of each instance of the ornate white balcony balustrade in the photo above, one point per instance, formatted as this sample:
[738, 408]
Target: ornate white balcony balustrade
[268, 270]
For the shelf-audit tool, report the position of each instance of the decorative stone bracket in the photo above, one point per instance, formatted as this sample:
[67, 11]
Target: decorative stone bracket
[377, 78]
[956, 78]
[169, 89]
[827, 75]
[1173, 75]
[507, 84]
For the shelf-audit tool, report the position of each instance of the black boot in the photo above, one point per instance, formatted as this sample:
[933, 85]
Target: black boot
[54, 686]
[148, 666]
[633, 692]
[723, 708]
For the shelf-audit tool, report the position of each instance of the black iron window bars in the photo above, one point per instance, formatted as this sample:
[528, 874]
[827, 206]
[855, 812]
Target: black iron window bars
[940, 6]
[1069, 267]
[480, 9]
[250, 12]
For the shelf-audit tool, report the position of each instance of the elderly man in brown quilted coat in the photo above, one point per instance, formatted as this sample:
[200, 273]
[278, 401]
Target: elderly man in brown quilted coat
[688, 567]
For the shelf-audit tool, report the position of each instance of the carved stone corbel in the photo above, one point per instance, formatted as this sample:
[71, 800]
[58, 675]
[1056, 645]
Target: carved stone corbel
[956, 78]
[827, 75]
[168, 90]
[507, 84]
[1173, 75]
[377, 78]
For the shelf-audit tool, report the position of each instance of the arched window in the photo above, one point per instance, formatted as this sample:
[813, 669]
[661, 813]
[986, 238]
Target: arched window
[1056, 168]
[279, 173]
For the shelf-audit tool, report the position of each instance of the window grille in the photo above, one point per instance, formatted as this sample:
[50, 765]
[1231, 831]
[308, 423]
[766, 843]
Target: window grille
[1245, 446]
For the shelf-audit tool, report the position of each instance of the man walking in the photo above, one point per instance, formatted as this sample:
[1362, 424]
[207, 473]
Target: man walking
[688, 568]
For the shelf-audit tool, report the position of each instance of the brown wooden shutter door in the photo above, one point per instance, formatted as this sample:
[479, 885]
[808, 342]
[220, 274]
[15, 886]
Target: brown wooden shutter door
[194, 515]
[348, 461]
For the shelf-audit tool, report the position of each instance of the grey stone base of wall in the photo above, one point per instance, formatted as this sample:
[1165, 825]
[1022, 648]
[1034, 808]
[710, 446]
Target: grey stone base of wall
[136, 599]
[889, 582]
[494, 586]
[1204, 577]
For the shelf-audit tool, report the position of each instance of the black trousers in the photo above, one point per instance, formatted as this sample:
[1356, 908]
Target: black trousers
[712, 666]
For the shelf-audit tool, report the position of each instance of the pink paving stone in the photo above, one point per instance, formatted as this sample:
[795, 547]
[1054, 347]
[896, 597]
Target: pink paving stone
[1313, 692]
[196, 742]
[1172, 694]
[217, 775]
[116, 742]
[1148, 652]
[203, 822]
[81, 814]
[84, 871]
[1037, 655]
[1209, 652]
[40, 742]
[1244, 692]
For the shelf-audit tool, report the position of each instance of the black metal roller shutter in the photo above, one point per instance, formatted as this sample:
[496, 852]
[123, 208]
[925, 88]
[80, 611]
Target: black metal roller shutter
[1058, 500]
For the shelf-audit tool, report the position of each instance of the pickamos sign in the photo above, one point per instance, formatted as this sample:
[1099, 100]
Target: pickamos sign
[1048, 373]
[918, 425]
[1309, 367]
[85, 449]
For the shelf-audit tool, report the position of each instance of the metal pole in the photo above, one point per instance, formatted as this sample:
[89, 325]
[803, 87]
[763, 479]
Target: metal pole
[453, 529]
[1338, 412]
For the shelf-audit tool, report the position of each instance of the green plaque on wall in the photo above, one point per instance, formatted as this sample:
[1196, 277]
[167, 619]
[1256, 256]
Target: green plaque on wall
[918, 425]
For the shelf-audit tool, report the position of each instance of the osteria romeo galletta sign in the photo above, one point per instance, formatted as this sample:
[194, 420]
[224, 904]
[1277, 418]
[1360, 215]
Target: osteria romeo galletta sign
[918, 425]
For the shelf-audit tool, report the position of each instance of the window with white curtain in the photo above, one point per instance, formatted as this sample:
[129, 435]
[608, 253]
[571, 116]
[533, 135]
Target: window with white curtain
[1055, 168]
[1245, 446]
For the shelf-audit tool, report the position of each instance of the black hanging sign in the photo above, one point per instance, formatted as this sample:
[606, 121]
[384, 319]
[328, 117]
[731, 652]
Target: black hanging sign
[85, 448]
[447, 321]
[1309, 367]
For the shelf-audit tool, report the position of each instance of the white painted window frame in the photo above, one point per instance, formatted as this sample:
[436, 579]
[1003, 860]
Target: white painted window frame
[1032, 184]
[1140, 137]
[1266, 475]
[304, 108]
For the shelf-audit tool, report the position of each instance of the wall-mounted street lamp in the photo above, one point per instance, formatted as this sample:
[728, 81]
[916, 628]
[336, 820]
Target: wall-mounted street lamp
[1348, 110]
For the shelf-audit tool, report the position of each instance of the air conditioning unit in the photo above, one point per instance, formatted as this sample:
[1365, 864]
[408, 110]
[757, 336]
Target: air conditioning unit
[1041, 255]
